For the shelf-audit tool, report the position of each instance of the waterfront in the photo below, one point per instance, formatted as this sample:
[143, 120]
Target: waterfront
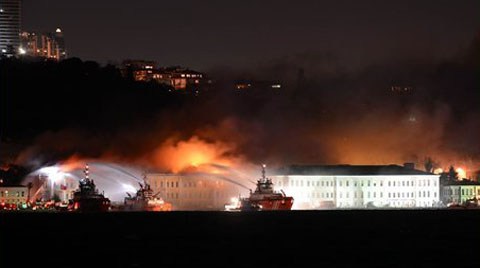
[365, 238]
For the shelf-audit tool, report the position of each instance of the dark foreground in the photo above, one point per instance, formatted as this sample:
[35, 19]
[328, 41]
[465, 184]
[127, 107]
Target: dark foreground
[396, 238]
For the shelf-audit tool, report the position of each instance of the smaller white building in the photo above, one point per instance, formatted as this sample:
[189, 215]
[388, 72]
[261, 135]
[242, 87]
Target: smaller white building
[13, 196]
[355, 186]
[460, 192]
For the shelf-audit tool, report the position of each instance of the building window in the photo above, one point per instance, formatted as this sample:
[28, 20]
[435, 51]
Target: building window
[389, 184]
[346, 183]
[322, 183]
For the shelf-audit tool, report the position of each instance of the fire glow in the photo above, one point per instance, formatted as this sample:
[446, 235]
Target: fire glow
[194, 153]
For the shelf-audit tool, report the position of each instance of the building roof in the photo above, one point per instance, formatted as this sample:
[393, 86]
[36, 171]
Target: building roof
[348, 170]
[463, 183]
[6, 185]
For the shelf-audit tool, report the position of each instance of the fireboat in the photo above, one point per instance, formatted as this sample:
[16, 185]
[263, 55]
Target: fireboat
[265, 197]
[87, 198]
[145, 200]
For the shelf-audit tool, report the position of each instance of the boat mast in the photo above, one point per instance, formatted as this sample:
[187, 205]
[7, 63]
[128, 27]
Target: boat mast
[263, 172]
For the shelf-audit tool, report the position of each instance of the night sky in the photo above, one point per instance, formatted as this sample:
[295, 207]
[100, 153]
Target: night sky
[240, 34]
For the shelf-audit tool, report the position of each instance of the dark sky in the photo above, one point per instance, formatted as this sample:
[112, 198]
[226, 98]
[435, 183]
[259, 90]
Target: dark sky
[204, 34]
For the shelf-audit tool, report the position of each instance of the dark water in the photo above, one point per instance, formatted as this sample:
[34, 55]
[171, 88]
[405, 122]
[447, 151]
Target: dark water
[396, 238]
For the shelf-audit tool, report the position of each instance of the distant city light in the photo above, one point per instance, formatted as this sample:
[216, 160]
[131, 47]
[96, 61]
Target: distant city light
[58, 30]
[22, 51]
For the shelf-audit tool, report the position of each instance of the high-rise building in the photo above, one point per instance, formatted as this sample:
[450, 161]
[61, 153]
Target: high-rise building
[44, 45]
[10, 25]
[58, 37]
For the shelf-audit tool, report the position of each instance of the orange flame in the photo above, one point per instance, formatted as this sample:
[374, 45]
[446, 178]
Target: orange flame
[177, 156]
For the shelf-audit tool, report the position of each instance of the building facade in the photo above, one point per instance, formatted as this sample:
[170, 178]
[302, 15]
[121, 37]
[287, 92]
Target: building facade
[312, 187]
[178, 78]
[460, 192]
[194, 191]
[13, 196]
[353, 187]
[10, 26]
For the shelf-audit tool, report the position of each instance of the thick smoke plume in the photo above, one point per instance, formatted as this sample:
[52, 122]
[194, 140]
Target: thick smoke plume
[392, 113]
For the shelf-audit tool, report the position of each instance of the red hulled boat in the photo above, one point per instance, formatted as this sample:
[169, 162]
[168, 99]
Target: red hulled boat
[146, 200]
[265, 197]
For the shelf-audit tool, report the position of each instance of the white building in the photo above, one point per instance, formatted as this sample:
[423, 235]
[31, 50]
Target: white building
[349, 186]
[460, 192]
[194, 191]
[13, 196]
